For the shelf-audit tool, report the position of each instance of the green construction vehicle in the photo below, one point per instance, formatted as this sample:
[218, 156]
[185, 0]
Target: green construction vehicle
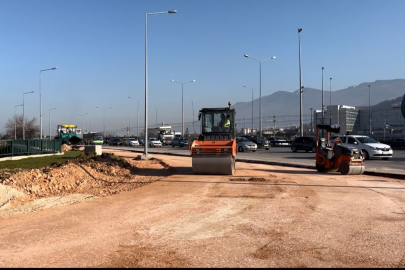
[68, 134]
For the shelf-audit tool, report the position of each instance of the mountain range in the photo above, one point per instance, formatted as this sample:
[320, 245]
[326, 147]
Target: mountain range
[283, 103]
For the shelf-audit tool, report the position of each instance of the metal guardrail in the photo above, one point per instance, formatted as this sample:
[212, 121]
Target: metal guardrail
[11, 148]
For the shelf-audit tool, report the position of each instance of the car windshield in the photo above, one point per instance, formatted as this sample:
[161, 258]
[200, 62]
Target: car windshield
[242, 139]
[152, 139]
[366, 140]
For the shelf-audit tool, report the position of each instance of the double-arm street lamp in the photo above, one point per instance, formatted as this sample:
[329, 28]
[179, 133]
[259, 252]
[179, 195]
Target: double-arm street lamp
[301, 87]
[15, 121]
[252, 105]
[50, 122]
[145, 153]
[260, 99]
[40, 98]
[182, 106]
[24, 113]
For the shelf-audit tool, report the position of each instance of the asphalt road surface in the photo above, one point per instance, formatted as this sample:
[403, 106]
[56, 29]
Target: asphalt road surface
[282, 154]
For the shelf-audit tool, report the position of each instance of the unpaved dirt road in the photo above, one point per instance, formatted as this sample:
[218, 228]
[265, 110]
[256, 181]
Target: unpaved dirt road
[264, 216]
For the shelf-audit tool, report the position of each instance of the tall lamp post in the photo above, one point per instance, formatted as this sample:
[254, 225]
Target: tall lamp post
[15, 122]
[369, 107]
[312, 127]
[103, 118]
[301, 87]
[260, 99]
[252, 104]
[182, 107]
[50, 122]
[24, 113]
[40, 97]
[322, 98]
[145, 153]
[330, 102]
[192, 108]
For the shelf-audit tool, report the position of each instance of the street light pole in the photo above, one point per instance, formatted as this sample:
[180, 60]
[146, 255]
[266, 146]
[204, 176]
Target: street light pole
[322, 98]
[252, 104]
[274, 126]
[40, 98]
[24, 113]
[15, 122]
[369, 107]
[260, 99]
[50, 122]
[145, 153]
[312, 127]
[182, 107]
[330, 96]
[299, 55]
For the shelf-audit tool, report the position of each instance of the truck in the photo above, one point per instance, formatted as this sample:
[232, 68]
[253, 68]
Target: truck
[93, 138]
[165, 134]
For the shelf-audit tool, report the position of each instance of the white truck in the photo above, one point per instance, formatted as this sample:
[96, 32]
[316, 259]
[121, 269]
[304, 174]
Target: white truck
[165, 134]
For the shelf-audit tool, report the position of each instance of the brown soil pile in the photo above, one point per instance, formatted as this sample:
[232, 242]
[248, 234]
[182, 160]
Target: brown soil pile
[91, 175]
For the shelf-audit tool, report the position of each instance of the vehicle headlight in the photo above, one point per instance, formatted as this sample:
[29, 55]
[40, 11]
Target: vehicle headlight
[372, 147]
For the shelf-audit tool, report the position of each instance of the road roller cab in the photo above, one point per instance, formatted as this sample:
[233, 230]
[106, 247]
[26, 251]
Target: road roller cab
[214, 152]
[333, 156]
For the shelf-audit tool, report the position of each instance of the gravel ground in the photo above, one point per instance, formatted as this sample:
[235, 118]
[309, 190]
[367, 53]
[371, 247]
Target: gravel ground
[264, 216]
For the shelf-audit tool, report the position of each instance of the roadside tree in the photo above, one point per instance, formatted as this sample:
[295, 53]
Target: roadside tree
[14, 125]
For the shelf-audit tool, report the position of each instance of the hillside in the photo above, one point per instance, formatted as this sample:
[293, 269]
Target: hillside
[286, 104]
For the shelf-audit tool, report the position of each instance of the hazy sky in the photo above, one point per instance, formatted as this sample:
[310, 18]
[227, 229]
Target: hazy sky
[99, 49]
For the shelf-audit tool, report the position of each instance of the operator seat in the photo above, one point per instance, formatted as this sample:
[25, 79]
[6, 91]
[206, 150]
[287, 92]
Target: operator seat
[327, 151]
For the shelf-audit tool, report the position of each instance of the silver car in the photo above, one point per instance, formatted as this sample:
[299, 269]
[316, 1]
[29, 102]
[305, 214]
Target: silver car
[245, 145]
[153, 142]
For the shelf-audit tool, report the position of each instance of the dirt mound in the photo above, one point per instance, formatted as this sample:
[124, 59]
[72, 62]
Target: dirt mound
[65, 148]
[90, 176]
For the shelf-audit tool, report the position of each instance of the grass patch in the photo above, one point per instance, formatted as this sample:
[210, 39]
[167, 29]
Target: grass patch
[36, 162]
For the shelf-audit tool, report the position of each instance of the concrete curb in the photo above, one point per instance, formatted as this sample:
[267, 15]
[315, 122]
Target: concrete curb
[389, 175]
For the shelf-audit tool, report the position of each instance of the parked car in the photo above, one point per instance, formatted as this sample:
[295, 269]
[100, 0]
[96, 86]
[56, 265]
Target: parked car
[370, 147]
[278, 142]
[259, 141]
[131, 142]
[141, 142]
[245, 145]
[304, 143]
[179, 141]
[153, 142]
[115, 142]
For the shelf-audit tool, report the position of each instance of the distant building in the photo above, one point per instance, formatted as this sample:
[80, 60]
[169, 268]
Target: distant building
[386, 121]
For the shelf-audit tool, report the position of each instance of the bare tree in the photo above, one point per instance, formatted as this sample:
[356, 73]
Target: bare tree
[14, 126]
